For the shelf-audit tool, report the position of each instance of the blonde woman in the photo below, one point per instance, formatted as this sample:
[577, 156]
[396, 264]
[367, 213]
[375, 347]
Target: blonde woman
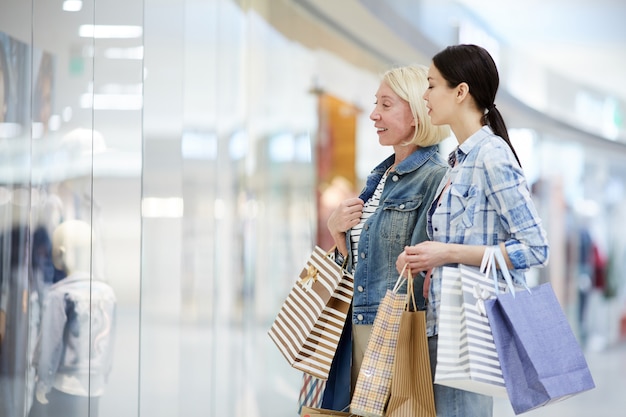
[390, 213]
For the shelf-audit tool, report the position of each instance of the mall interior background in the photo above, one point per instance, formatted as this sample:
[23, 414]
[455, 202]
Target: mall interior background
[204, 141]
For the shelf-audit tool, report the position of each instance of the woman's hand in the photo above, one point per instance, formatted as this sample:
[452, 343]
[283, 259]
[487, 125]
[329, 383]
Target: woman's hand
[422, 257]
[344, 217]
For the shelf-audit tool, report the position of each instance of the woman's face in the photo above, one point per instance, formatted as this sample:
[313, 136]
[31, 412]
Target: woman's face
[440, 98]
[392, 117]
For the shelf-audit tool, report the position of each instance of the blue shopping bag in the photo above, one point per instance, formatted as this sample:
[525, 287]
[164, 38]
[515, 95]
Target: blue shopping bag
[541, 359]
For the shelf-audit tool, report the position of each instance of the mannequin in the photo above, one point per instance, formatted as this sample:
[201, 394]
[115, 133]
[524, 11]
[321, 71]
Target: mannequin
[74, 350]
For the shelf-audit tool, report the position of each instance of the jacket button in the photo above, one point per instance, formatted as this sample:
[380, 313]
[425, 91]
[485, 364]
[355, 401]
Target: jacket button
[360, 288]
[401, 206]
[360, 317]
[395, 178]
[362, 255]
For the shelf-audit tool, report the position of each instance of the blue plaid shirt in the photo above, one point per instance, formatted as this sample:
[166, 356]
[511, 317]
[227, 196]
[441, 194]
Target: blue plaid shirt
[487, 202]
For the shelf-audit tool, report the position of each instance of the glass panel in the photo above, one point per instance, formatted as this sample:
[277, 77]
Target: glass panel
[86, 162]
[116, 148]
[18, 292]
[162, 209]
[199, 185]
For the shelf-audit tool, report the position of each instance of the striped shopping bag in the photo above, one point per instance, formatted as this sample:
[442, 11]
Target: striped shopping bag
[466, 353]
[309, 323]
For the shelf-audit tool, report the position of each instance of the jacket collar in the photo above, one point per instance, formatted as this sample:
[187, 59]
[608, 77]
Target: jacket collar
[411, 163]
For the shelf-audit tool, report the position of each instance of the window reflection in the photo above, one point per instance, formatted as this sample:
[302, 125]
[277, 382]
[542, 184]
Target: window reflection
[74, 353]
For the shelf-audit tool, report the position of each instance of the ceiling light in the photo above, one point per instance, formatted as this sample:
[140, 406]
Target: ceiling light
[72, 5]
[124, 53]
[110, 31]
[154, 207]
[111, 101]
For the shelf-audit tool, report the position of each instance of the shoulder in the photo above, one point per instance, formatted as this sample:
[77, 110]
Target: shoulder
[493, 147]
[437, 161]
[436, 166]
[491, 153]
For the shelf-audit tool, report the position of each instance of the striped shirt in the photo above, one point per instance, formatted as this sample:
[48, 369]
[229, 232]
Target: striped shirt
[369, 208]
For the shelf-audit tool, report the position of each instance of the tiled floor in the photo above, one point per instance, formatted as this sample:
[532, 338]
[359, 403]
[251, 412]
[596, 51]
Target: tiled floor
[238, 372]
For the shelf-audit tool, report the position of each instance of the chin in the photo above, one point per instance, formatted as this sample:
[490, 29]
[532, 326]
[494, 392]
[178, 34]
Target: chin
[435, 122]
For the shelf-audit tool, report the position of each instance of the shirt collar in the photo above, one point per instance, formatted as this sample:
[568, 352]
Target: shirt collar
[461, 151]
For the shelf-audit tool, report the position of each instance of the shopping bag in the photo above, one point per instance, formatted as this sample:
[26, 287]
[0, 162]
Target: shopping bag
[311, 392]
[412, 392]
[373, 385]
[318, 412]
[466, 354]
[541, 359]
[308, 325]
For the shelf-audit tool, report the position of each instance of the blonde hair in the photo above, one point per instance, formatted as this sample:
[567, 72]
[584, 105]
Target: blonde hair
[410, 83]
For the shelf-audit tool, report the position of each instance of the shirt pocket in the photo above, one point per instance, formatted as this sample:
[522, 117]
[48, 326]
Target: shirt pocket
[463, 204]
[398, 218]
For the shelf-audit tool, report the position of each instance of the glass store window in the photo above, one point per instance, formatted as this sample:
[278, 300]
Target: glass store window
[157, 196]
[71, 164]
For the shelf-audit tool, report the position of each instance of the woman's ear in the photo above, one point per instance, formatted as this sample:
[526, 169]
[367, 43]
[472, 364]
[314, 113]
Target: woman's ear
[462, 91]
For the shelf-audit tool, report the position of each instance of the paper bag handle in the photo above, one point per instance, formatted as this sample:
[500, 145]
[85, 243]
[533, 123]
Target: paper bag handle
[492, 260]
[410, 293]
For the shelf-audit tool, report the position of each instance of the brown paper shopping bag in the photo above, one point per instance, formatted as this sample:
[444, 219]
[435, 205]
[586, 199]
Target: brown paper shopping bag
[411, 384]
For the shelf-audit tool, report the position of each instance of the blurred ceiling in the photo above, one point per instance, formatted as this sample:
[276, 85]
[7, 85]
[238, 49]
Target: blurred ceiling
[584, 40]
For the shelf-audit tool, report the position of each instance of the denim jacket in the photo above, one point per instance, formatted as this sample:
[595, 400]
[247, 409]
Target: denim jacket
[74, 352]
[400, 220]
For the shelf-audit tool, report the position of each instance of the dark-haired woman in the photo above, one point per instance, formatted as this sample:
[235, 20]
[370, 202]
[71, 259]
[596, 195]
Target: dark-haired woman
[484, 199]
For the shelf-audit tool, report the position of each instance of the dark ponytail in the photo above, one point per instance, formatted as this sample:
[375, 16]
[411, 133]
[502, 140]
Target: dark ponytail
[494, 119]
[473, 65]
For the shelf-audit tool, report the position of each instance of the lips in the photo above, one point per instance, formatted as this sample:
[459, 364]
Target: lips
[381, 129]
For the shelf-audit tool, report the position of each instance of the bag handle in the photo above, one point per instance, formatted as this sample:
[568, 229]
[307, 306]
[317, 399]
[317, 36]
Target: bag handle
[492, 259]
[410, 289]
[331, 254]
[400, 280]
